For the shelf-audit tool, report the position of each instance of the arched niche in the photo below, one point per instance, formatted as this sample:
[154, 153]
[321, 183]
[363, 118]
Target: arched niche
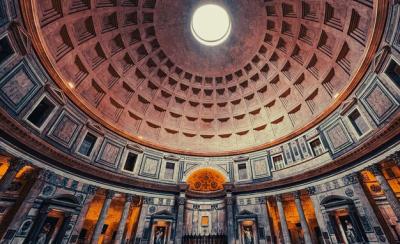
[206, 180]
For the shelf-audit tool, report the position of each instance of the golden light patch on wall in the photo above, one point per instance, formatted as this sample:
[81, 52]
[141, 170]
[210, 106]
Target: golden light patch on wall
[206, 180]
[273, 213]
[204, 221]
[132, 221]
[93, 213]
[291, 214]
[3, 168]
[391, 174]
[113, 218]
[24, 171]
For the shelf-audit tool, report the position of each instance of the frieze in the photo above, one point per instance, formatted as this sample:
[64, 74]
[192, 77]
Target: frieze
[262, 200]
[350, 179]
[311, 190]
[349, 192]
[395, 157]
[48, 191]
[89, 189]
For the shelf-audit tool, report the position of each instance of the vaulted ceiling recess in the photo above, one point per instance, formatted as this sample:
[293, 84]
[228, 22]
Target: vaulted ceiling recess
[156, 74]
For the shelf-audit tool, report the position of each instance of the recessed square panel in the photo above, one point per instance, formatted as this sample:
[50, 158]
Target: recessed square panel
[19, 86]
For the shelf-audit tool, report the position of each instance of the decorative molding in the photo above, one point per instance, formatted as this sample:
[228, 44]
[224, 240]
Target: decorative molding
[110, 194]
[56, 94]
[241, 158]
[172, 157]
[96, 127]
[135, 148]
[312, 190]
[16, 164]
[21, 37]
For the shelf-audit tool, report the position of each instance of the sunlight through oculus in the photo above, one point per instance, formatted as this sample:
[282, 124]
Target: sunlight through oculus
[211, 25]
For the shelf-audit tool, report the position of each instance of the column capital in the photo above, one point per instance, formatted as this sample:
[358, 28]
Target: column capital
[183, 187]
[17, 163]
[350, 179]
[91, 190]
[147, 200]
[181, 200]
[374, 169]
[228, 187]
[311, 190]
[110, 194]
[262, 200]
[278, 198]
[395, 157]
[296, 194]
[129, 197]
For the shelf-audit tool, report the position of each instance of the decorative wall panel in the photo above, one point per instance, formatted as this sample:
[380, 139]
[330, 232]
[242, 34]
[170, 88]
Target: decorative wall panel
[260, 167]
[150, 166]
[378, 101]
[337, 136]
[110, 153]
[65, 129]
[18, 86]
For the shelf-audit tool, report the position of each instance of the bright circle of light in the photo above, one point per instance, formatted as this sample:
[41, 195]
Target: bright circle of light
[211, 25]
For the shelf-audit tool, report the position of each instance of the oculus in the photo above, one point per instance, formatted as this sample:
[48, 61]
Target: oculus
[211, 25]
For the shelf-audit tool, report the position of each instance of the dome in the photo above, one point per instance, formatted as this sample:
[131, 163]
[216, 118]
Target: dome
[140, 71]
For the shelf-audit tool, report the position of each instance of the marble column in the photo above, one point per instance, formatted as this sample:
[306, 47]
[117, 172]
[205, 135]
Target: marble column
[282, 218]
[122, 221]
[90, 193]
[102, 217]
[312, 191]
[395, 157]
[230, 218]
[387, 190]
[16, 164]
[26, 204]
[63, 229]
[180, 217]
[303, 221]
[264, 220]
[38, 224]
[140, 232]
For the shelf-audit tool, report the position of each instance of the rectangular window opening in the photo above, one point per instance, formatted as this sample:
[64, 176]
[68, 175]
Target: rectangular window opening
[393, 71]
[278, 162]
[87, 144]
[42, 111]
[358, 123]
[169, 171]
[317, 147]
[130, 162]
[242, 171]
[5, 49]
